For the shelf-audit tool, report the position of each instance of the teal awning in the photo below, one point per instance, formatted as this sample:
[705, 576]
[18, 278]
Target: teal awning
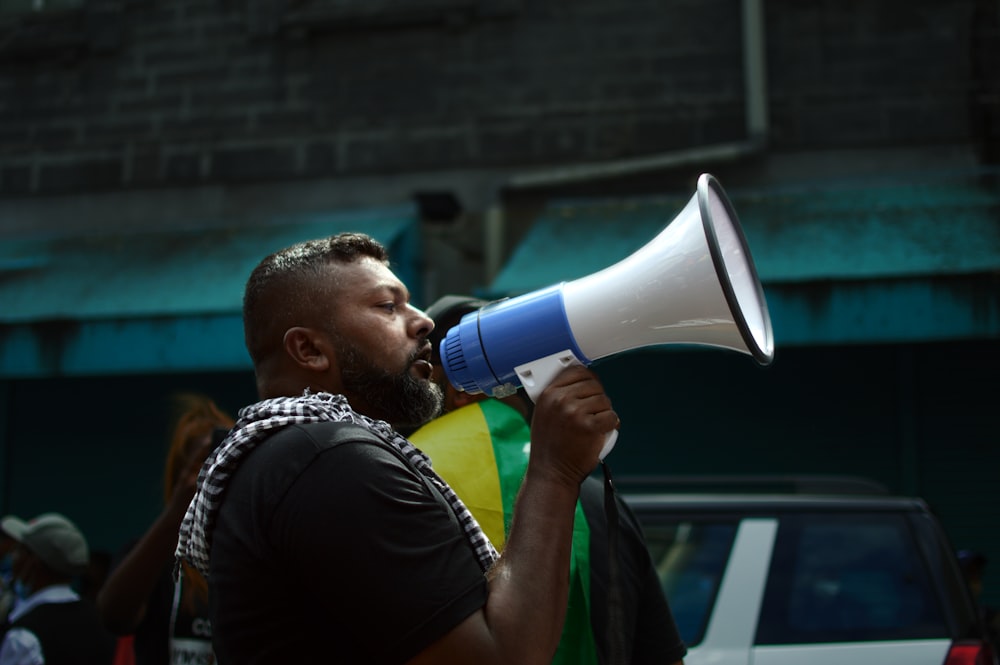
[155, 301]
[849, 263]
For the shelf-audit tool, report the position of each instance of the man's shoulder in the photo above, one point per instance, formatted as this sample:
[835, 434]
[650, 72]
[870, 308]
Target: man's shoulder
[304, 441]
[336, 450]
[325, 434]
[301, 471]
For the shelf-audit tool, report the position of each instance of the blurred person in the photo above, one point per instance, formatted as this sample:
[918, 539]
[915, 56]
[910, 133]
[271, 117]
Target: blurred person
[973, 565]
[167, 623]
[7, 596]
[480, 446]
[325, 535]
[95, 576]
[51, 624]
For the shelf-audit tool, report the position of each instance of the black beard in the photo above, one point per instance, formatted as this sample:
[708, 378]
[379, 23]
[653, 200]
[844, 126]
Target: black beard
[398, 398]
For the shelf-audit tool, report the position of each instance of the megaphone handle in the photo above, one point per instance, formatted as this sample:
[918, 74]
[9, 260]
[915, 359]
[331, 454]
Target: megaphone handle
[537, 374]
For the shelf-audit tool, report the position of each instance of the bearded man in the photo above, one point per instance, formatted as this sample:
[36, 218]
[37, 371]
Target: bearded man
[325, 535]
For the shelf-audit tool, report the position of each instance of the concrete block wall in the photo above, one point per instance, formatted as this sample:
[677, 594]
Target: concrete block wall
[140, 94]
[878, 73]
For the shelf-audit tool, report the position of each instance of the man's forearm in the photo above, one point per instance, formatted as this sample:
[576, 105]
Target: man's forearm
[529, 586]
[123, 597]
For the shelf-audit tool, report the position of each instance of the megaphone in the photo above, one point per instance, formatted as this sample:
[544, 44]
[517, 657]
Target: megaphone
[694, 283]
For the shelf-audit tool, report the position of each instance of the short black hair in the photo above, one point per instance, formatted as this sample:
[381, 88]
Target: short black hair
[281, 290]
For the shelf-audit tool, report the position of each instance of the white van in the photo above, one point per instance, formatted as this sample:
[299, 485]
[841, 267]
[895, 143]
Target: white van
[818, 579]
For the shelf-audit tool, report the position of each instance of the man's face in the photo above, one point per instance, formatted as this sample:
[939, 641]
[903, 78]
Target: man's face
[381, 347]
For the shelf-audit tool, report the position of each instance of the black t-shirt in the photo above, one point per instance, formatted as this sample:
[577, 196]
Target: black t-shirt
[335, 553]
[651, 636]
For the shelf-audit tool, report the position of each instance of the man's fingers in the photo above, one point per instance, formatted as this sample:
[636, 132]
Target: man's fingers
[572, 374]
[577, 393]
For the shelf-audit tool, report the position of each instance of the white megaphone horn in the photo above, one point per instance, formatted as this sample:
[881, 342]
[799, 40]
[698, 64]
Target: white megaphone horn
[694, 283]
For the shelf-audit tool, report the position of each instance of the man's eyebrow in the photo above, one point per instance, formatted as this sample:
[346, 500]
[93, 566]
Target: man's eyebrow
[397, 290]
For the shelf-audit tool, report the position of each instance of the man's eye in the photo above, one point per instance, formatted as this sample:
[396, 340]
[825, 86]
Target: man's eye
[388, 306]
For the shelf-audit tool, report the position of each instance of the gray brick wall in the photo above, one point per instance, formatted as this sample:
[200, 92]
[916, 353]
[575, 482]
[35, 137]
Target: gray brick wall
[864, 73]
[181, 92]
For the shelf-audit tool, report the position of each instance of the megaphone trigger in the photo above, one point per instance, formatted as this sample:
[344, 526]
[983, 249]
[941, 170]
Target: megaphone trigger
[538, 374]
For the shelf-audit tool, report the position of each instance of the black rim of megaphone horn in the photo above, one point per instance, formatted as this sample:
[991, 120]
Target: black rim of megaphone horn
[759, 354]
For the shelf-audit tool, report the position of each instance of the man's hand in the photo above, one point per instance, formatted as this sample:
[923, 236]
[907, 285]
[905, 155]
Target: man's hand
[187, 480]
[572, 419]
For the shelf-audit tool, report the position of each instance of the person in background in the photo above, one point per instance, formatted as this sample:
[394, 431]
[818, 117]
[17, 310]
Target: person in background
[326, 536]
[480, 446]
[7, 596]
[51, 624]
[168, 623]
[973, 565]
[97, 573]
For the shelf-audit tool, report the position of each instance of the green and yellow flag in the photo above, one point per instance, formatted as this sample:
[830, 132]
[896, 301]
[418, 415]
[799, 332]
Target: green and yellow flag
[481, 450]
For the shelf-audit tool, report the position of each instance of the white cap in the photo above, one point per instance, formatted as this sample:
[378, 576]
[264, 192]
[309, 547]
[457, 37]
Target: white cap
[53, 539]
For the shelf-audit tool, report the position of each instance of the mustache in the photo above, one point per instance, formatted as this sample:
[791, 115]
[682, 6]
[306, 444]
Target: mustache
[424, 350]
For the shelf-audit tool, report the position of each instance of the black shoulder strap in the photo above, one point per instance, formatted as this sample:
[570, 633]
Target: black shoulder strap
[616, 612]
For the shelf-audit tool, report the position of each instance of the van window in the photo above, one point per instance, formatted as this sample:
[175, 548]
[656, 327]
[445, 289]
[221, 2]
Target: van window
[840, 578]
[690, 559]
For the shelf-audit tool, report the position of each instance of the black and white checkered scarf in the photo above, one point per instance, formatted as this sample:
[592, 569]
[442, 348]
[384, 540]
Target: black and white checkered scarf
[256, 423]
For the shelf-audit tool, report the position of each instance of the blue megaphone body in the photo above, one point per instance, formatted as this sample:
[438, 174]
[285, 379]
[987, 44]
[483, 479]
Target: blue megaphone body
[482, 352]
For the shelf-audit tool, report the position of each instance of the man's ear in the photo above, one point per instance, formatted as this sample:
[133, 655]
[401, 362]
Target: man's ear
[307, 348]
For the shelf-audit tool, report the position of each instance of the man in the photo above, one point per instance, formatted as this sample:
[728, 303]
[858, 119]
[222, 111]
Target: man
[51, 624]
[480, 447]
[325, 535]
[973, 565]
